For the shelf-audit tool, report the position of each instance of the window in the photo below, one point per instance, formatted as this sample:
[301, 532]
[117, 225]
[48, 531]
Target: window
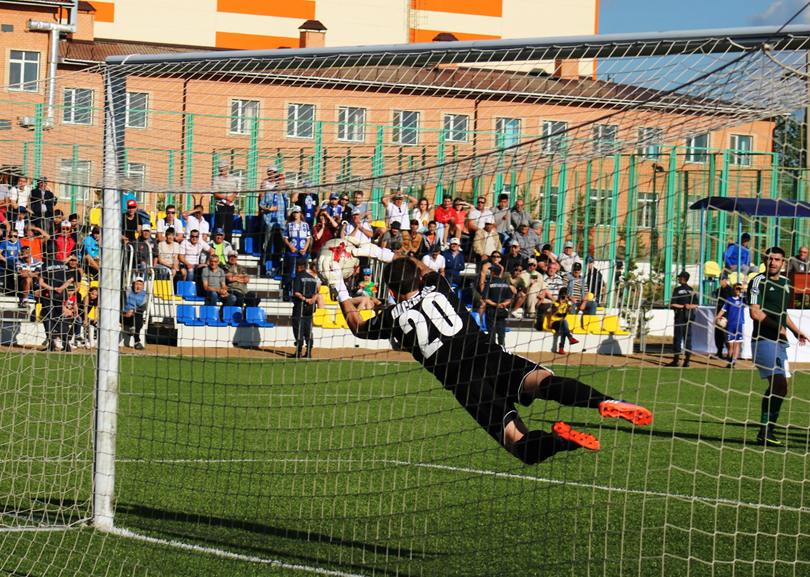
[740, 145]
[508, 130]
[605, 139]
[352, 127]
[23, 71]
[406, 127]
[137, 108]
[552, 200]
[78, 106]
[301, 120]
[647, 209]
[600, 207]
[137, 174]
[696, 148]
[242, 114]
[76, 179]
[649, 142]
[455, 127]
[554, 144]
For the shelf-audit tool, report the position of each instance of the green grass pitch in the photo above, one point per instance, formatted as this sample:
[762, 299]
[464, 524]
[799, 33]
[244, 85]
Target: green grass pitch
[277, 467]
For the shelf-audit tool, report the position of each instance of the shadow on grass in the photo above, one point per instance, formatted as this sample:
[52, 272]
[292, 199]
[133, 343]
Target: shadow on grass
[197, 529]
[797, 438]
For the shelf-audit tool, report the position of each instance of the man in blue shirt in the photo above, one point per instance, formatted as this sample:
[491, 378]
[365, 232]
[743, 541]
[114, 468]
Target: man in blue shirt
[273, 209]
[738, 256]
[9, 253]
[453, 262]
[734, 312]
[91, 251]
[134, 309]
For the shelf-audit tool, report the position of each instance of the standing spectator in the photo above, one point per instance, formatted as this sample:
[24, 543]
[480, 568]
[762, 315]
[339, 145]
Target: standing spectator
[74, 271]
[738, 256]
[486, 240]
[357, 227]
[569, 257]
[214, 285]
[478, 216]
[578, 291]
[422, 212]
[497, 299]
[144, 248]
[34, 237]
[53, 284]
[191, 251]
[501, 214]
[18, 197]
[169, 221]
[593, 280]
[392, 239]
[224, 195]
[41, 205]
[167, 259]
[459, 207]
[131, 222]
[528, 240]
[220, 246]
[396, 209]
[273, 207]
[20, 222]
[734, 312]
[800, 262]
[559, 310]
[684, 303]
[298, 240]
[513, 257]
[9, 253]
[70, 321]
[322, 231]
[134, 308]
[453, 262]
[91, 252]
[236, 281]
[65, 245]
[196, 221]
[723, 294]
[334, 208]
[308, 203]
[305, 291]
[412, 240]
[358, 204]
[28, 271]
[518, 216]
[769, 294]
[90, 302]
[434, 260]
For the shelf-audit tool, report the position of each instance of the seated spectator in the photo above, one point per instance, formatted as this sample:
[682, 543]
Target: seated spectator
[74, 271]
[18, 199]
[434, 260]
[191, 254]
[322, 231]
[555, 279]
[70, 321]
[528, 240]
[430, 237]
[422, 212]
[501, 213]
[28, 270]
[738, 256]
[530, 290]
[478, 216]
[89, 302]
[578, 289]
[546, 250]
[367, 284]
[453, 262]
[131, 222]
[73, 219]
[357, 227]
[569, 257]
[800, 262]
[91, 252]
[445, 217]
[559, 310]
[497, 298]
[486, 240]
[236, 282]
[305, 293]
[412, 240]
[167, 259]
[392, 239]
[134, 309]
[513, 256]
[196, 221]
[65, 245]
[169, 221]
[33, 238]
[358, 204]
[220, 246]
[145, 248]
[214, 287]
[364, 291]
[518, 216]
[396, 209]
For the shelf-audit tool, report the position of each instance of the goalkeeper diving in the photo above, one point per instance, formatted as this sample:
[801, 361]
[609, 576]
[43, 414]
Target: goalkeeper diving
[431, 323]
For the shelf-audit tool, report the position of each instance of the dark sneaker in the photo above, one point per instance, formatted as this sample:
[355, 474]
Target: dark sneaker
[685, 364]
[139, 346]
[572, 439]
[769, 440]
[636, 414]
[672, 363]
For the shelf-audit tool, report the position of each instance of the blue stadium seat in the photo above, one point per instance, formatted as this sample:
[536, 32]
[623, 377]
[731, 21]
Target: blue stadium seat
[253, 223]
[187, 314]
[238, 226]
[255, 316]
[210, 316]
[188, 290]
[232, 315]
[251, 246]
[466, 297]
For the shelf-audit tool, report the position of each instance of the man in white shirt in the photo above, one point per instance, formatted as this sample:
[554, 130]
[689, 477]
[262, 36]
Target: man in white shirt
[358, 227]
[169, 221]
[434, 260]
[396, 209]
[477, 216]
[196, 221]
[568, 257]
[18, 197]
[225, 187]
[190, 251]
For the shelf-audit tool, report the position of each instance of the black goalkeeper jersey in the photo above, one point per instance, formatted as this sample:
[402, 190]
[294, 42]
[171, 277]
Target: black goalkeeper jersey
[436, 328]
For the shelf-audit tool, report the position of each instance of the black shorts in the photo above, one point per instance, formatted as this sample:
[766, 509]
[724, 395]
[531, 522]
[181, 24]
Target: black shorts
[490, 386]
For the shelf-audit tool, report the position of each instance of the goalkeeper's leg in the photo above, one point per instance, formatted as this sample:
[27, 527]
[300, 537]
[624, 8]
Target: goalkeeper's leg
[534, 447]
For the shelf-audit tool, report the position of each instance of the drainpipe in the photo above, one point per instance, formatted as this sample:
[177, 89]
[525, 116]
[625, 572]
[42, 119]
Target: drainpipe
[53, 60]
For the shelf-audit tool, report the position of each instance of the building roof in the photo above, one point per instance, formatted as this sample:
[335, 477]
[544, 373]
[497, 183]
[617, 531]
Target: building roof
[99, 49]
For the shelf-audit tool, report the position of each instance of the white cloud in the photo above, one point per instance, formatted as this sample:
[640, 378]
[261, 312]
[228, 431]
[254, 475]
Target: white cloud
[780, 12]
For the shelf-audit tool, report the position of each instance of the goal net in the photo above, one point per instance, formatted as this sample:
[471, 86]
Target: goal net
[188, 432]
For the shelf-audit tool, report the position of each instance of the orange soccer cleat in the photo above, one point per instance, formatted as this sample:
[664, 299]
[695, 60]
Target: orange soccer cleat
[574, 439]
[636, 414]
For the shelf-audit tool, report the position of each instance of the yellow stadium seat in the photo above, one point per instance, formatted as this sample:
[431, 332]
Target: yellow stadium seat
[83, 288]
[547, 324]
[93, 283]
[340, 320]
[732, 278]
[590, 324]
[95, 217]
[762, 267]
[163, 290]
[611, 325]
[324, 290]
[91, 314]
[367, 314]
[38, 309]
[328, 323]
[752, 275]
[327, 299]
[711, 269]
[320, 316]
[574, 321]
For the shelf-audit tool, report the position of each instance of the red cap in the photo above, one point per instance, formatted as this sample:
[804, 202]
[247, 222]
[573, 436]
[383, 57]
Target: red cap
[132, 204]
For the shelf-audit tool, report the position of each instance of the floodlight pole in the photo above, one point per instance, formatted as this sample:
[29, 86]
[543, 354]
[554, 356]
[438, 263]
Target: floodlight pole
[106, 393]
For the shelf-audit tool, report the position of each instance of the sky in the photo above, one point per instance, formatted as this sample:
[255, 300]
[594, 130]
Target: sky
[623, 16]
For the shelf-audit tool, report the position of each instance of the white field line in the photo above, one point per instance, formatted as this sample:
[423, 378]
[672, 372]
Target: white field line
[229, 554]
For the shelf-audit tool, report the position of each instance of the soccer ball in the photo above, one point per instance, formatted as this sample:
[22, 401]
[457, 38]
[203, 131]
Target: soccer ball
[722, 322]
[337, 251]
